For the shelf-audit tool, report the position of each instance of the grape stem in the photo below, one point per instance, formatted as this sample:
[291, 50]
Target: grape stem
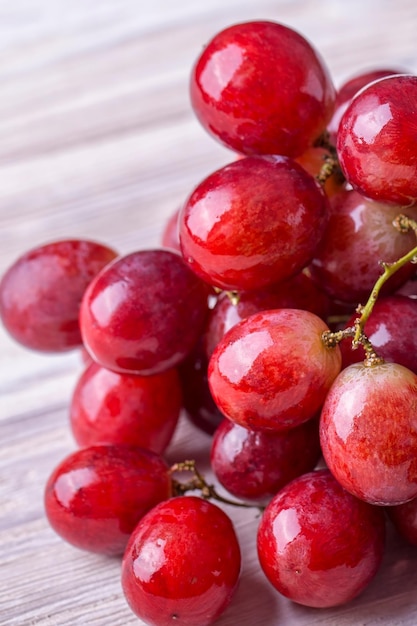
[198, 482]
[328, 168]
[331, 163]
[356, 332]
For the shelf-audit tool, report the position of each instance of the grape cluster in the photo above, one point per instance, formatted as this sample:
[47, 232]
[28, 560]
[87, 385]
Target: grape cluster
[278, 314]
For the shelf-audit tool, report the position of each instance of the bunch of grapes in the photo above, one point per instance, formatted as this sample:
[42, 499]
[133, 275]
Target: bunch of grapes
[279, 314]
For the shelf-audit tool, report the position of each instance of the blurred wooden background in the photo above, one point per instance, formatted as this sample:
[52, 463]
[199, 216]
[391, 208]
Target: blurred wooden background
[98, 140]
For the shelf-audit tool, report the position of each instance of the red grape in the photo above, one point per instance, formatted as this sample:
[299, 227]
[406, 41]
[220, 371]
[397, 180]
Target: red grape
[254, 465]
[182, 564]
[359, 236]
[144, 313]
[368, 432]
[349, 89]
[95, 497]
[393, 341]
[377, 140]
[261, 88]
[319, 545]
[41, 292]
[252, 223]
[110, 407]
[272, 370]
[298, 292]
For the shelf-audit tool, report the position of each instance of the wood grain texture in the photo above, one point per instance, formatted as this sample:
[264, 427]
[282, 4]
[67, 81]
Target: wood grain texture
[97, 139]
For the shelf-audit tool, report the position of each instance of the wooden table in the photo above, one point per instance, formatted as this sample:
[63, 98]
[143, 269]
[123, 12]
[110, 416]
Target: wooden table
[97, 140]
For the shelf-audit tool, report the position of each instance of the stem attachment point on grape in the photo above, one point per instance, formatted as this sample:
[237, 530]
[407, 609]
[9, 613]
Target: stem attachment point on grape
[199, 483]
[330, 339]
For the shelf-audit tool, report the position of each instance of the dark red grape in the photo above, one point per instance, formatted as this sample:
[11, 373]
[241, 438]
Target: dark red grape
[40, 294]
[359, 236]
[145, 313]
[391, 330]
[298, 292]
[254, 465]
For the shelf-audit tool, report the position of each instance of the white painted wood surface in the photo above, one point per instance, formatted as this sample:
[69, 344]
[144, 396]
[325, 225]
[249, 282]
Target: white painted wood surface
[97, 139]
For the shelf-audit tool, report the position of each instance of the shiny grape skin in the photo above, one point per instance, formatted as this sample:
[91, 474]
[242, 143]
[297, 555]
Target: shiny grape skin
[358, 237]
[409, 289]
[298, 292]
[95, 497]
[377, 141]
[317, 544]
[254, 465]
[394, 341]
[182, 564]
[114, 408]
[349, 89]
[41, 292]
[143, 314]
[260, 88]
[252, 223]
[272, 371]
[368, 432]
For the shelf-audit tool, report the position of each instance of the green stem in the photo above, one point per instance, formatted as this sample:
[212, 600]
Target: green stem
[389, 270]
[403, 224]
